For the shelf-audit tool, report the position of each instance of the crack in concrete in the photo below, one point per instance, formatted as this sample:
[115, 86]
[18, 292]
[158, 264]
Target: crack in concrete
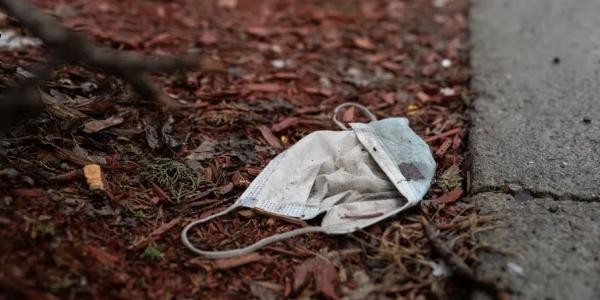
[515, 189]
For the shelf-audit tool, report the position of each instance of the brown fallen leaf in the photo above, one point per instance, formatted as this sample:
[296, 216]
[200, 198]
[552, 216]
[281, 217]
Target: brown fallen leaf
[451, 196]
[324, 274]
[268, 135]
[234, 262]
[98, 125]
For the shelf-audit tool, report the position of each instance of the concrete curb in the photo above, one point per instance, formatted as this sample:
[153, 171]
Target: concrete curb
[536, 134]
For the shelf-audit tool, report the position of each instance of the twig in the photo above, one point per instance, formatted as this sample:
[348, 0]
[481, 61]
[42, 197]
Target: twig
[155, 234]
[73, 48]
[498, 290]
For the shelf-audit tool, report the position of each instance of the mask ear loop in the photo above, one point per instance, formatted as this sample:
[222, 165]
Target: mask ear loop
[360, 107]
[241, 251]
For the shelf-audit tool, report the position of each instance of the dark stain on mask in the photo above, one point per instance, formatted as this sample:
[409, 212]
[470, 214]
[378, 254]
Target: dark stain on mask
[410, 171]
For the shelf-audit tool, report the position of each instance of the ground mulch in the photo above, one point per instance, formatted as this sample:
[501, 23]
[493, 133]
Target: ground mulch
[276, 70]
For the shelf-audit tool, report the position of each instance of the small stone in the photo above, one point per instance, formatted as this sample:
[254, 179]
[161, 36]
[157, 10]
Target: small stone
[279, 63]
[446, 63]
[513, 187]
[514, 268]
[447, 92]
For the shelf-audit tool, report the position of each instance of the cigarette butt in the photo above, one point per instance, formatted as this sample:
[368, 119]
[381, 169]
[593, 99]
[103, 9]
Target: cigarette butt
[93, 175]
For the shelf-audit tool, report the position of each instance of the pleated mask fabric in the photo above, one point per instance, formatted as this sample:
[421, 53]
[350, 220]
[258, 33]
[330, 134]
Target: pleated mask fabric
[354, 178]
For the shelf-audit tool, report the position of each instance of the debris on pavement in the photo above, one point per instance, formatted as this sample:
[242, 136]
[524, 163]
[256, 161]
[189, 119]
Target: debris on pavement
[458, 266]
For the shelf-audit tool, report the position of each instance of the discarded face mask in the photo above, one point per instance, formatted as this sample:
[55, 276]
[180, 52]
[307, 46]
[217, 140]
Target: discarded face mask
[355, 177]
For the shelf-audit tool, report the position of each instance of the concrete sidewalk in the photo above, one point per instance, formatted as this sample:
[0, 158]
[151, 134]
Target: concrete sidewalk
[535, 143]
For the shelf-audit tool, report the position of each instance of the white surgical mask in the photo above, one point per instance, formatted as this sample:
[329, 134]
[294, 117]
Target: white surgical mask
[355, 177]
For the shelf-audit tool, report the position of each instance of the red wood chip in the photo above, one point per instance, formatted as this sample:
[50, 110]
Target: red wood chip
[364, 43]
[285, 124]
[100, 255]
[451, 196]
[258, 31]
[234, 262]
[324, 274]
[265, 87]
[268, 135]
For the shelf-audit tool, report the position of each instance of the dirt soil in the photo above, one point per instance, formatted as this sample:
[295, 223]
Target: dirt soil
[278, 70]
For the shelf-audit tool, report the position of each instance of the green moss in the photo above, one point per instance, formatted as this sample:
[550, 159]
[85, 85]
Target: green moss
[153, 252]
[172, 176]
[45, 230]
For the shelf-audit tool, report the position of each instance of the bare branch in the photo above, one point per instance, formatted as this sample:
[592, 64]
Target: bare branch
[73, 48]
